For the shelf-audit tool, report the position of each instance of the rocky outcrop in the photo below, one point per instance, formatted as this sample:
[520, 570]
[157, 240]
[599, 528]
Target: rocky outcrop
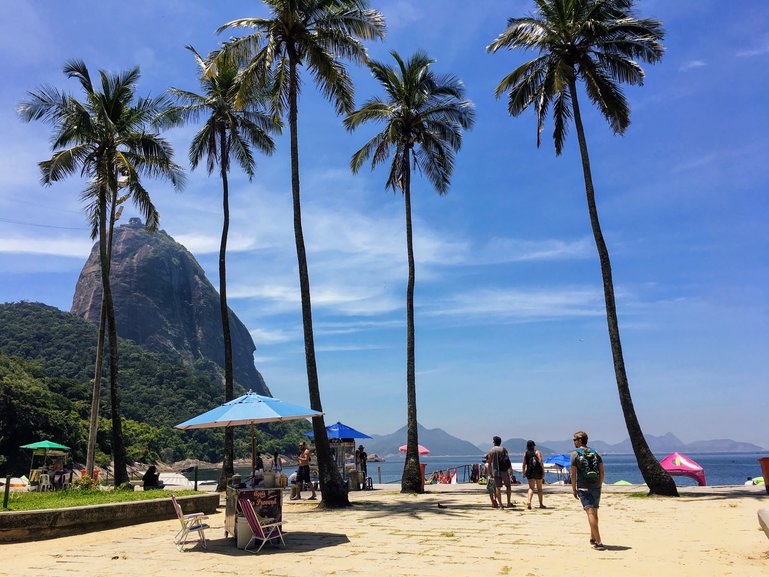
[164, 302]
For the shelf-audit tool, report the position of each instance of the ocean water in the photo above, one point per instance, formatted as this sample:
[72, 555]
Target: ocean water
[720, 468]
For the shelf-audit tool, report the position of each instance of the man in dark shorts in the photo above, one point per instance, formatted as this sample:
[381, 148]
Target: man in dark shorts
[499, 469]
[303, 472]
[586, 481]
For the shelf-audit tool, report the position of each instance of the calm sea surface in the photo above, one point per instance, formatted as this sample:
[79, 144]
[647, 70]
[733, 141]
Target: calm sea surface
[720, 468]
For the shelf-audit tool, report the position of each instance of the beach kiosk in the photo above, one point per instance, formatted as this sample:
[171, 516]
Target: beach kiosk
[341, 438]
[267, 502]
[250, 409]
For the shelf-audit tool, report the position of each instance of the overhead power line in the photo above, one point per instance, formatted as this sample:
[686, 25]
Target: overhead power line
[42, 225]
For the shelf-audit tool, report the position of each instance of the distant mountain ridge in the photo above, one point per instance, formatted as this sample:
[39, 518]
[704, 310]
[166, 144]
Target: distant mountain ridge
[667, 443]
[441, 443]
[438, 441]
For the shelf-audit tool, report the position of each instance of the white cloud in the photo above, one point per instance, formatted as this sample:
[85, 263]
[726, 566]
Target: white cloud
[65, 247]
[760, 50]
[686, 66]
[522, 305]
[499, 250]
[274, 336]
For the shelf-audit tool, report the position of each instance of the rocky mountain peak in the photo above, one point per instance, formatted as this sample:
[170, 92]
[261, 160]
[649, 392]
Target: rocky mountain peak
[164, 302]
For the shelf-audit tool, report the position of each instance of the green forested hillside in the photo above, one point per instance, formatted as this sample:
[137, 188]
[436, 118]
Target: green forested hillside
[46, 370]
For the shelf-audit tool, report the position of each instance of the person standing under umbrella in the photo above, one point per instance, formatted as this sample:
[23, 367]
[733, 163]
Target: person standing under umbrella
[361, 460]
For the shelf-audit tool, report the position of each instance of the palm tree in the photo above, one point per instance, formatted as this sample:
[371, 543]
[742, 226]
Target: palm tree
[312, 34]
[597, 42]
[424, 116]
[105, 139]
[230, 130]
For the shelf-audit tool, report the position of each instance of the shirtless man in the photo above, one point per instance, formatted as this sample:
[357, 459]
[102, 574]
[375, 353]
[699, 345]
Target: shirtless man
[303, 473]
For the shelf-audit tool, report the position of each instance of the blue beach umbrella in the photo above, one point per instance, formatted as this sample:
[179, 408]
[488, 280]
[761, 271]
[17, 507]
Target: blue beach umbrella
[250, 409]
[560, 460]
[341, 431]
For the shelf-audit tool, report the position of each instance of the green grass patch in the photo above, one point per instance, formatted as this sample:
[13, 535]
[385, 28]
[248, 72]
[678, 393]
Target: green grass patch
[84, 497]
[638, 495]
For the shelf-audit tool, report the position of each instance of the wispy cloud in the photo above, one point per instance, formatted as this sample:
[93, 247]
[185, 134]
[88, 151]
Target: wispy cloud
[500, 250]
[71, 247]
[760, 50]
[348, 348]
[274, 336]
[522, 305]
[695, 163]
[692, 64]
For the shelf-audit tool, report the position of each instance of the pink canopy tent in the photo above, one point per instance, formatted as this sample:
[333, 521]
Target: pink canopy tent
[678, 464]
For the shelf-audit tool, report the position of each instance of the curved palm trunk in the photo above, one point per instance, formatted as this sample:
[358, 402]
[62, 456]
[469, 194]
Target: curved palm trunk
[333, 492]
[105, 254]
[228, 466]
[411, 480]
[656, 478]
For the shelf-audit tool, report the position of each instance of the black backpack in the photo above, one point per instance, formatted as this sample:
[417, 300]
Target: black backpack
[533, 466]
[504, 462]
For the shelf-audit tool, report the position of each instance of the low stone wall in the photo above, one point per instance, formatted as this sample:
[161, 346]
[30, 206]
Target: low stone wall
[50, 523]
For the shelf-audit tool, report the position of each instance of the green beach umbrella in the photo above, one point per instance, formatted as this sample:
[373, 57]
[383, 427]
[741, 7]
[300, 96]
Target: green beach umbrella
[45, 445]
[622, 482]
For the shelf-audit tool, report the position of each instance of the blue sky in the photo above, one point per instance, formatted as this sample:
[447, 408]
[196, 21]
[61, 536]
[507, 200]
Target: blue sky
[511, 331]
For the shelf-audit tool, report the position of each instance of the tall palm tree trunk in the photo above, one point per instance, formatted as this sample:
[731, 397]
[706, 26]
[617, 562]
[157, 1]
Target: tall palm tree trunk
[333, 492]
[93, 425]
[411, 481]
[228, 465]
[656, 478]
[105, 255]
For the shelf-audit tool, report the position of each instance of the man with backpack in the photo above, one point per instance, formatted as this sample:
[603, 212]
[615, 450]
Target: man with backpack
[499, 469]
[586, 481]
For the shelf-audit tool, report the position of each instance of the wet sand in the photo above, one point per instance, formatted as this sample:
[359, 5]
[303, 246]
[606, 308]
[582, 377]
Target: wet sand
[452, 530]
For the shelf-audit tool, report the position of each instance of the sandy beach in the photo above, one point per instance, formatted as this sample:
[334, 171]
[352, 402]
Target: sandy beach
[449, 531]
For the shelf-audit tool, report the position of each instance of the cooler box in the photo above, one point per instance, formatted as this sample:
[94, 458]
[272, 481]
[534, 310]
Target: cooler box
[243, 532]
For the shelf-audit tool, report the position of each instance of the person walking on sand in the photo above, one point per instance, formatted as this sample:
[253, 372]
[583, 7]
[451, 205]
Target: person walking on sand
[533, 471]
[499, 465]
[586, 480]
[303, 472]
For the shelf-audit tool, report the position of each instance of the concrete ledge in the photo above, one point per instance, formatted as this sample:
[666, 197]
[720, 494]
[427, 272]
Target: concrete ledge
[51, 523]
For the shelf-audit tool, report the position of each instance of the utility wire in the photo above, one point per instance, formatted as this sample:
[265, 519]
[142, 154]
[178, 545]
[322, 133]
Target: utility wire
[42, 225]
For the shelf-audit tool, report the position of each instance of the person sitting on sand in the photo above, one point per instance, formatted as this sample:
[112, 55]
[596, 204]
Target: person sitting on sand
[152, 479]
